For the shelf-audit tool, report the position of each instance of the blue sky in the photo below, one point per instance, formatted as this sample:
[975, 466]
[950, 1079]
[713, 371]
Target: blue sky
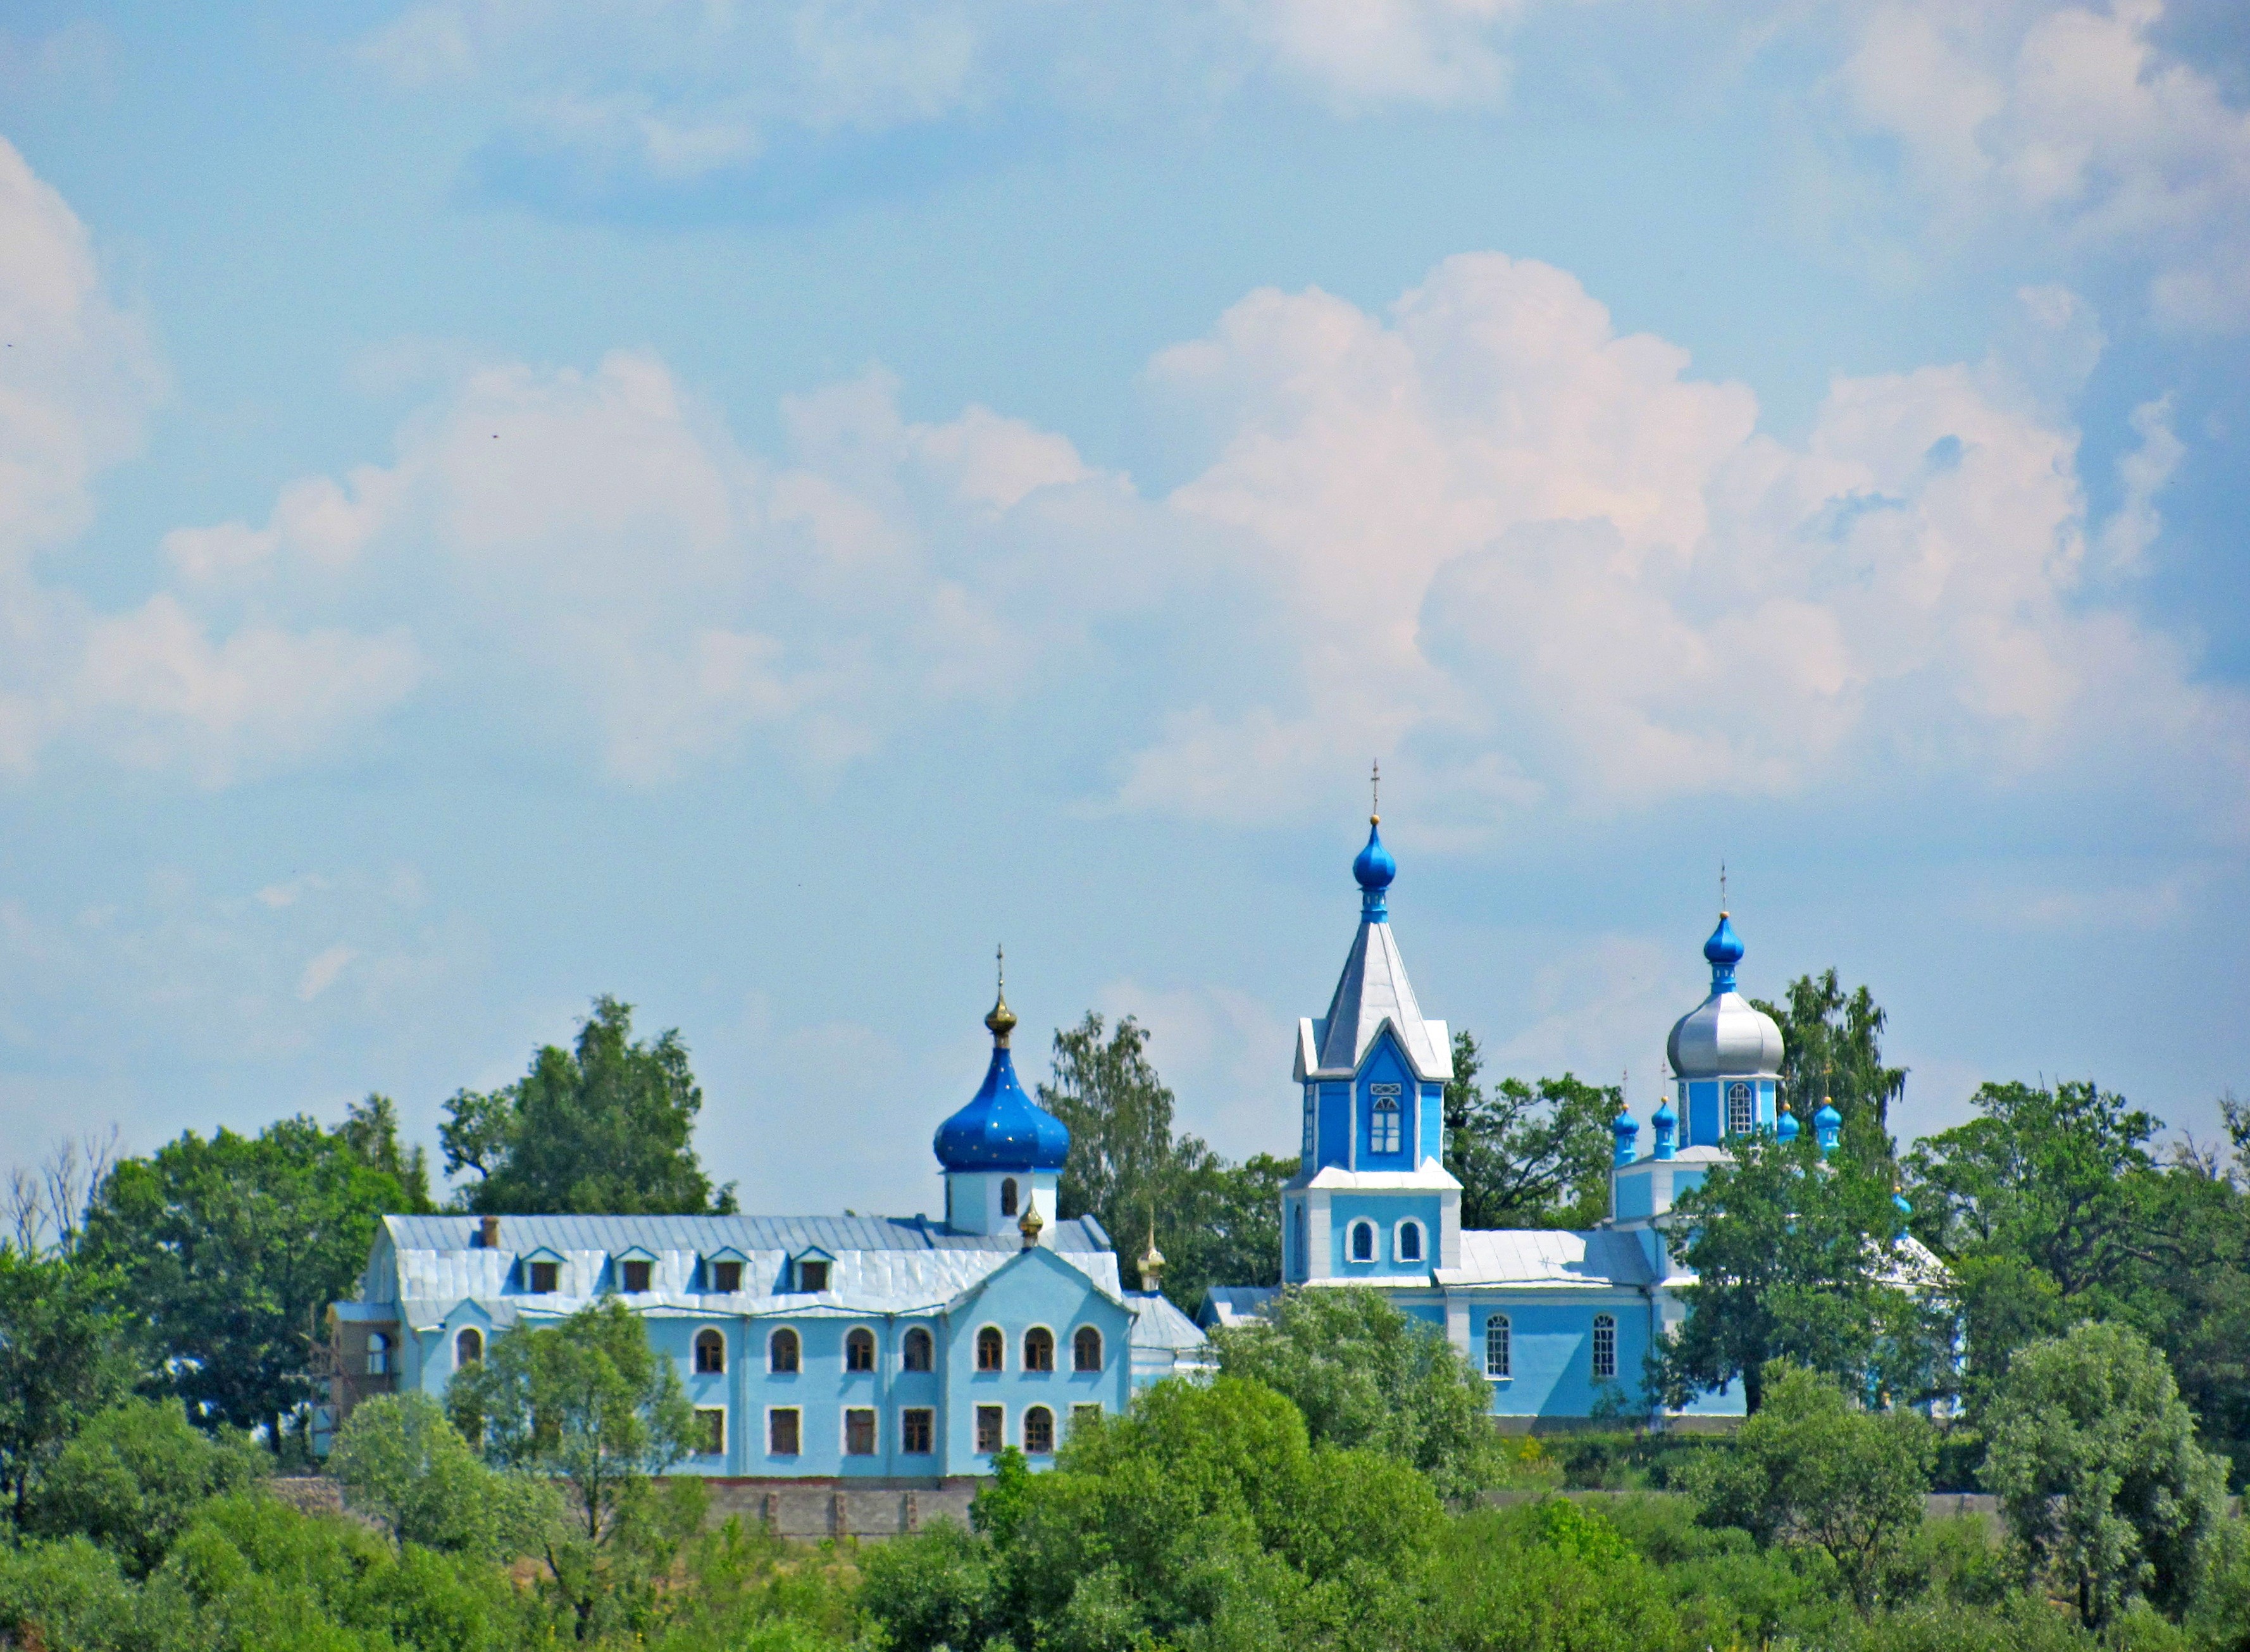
[746, 507]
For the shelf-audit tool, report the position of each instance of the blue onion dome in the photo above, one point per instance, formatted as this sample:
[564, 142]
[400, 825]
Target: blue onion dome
[1827, 1118]
[1725, 947]
[1663, 1118]
[1788, 1128]
[1624, 1126]
[1898, 1198]
[1002, 1128]
[1375, 868]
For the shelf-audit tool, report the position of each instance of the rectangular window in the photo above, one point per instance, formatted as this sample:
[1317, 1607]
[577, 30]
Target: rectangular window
[782, 1430]
[989, 1421]
[1740, 1113]
[1604, 1346]
[546, 1277]
[1383, 1119]
[858, 1431]
[711, 1431]
[812, 1275]
[1312, 1104]
[636, 1277]
[1083, 1413]
[917, 1429]
[1497, 1352]
[726, 1278]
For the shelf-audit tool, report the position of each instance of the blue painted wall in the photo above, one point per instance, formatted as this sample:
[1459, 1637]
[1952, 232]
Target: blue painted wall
[1551, 1344]
[1385, 1211]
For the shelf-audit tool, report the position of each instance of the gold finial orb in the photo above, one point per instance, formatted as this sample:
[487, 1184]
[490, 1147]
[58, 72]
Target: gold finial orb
[1152, 1264]
[1029, 1226]
[1001, 1020]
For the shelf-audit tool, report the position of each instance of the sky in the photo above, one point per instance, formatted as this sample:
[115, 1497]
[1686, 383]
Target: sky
[748, 507]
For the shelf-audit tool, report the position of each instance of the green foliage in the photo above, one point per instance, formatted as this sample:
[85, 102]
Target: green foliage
[370, 1131]
[1547, 1578]
[1216, 1223]
[231, 1250]
[1366, 1376]
[588, 1405]
[1792, 1254]
[1831, 1047]
[62, 1360]
[1528, 1156]
[403, 1462]
[603, 1127]
[1810, 1470]
[136, 1476]
[2094, 1455]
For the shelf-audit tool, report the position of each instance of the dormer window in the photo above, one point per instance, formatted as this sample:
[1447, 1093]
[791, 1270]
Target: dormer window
[635, 1275]
[542, 1272]
[726, 1278]
[813, 1271]
[1383, 1131]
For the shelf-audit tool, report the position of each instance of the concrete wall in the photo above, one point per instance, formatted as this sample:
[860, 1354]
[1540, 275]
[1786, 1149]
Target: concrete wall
[868, 1510]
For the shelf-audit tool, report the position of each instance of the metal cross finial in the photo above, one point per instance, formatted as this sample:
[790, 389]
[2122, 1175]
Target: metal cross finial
[1000, 964]
[1374, 794]
[1722, 886]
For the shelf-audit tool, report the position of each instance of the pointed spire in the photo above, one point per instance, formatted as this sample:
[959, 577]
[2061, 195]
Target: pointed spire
[1152, 1261]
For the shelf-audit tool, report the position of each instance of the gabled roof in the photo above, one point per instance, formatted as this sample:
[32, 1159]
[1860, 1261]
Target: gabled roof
[1157, 1324]
[1548, 1258]
[1372, 993]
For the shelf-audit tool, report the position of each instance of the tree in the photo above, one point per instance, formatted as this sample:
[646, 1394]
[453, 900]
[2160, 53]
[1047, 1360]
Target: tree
[370, 1131]
[586, 1403]
[604, 1127]
[403, 1463]
[1811, 1470]
[1528, 1156]
[1793, 1257]
[1366, 1376]
[2041, 1208]
[137, 1476]
[2094, 1456]
[1832, 1048]
[62, 1360]
[230, 1251]
[1216, 1223]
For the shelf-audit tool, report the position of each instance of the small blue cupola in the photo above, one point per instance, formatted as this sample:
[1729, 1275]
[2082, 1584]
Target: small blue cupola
[1789, 1129]
[1722, 952]
[1666, 1122]
[1627, 1132]
[1003, 1152]
[1374, 868]
[1828, 1127]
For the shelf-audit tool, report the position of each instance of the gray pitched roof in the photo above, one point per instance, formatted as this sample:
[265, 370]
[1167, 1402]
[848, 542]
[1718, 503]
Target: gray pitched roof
[1548, 1257]
[1372, 991]
[1157, 1324]
[703, 1234]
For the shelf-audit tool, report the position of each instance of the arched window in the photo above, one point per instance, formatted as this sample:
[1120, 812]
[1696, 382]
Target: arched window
[1410, 1241]
[1038, 1432]
[1739, 1114]
[919, 1349]
[1383, 1120]
[1297, 1239]
[1604, 1347]
[710, 1354]
[860, 1349]
[782, 1352]
[1038, 1349]
[1008, 1197]
[1085, 1349]
[991, 1349]
[1362, 1241]
[1497, 1352]
[378, 1354]
[468, 1347]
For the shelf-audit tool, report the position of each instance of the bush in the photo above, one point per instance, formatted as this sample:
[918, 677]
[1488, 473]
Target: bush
[136, 1478]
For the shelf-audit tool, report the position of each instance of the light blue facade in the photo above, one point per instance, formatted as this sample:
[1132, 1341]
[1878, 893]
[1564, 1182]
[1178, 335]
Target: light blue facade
[1561, 1322]
[853, 1349]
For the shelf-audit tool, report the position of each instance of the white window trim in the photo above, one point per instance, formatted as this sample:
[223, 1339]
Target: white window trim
[1054, 1353]
[799, 1452]
[1397, 1252]
[1351, 1256]
[904, 1368]
[1508, 1327]
[1396, 1094]
[725, 1428]
[772, 1370]
[1594, 1348]
[1101, 1348]
[976, 1370]
[927, 1411]
[726, 1352]
[1054, 1430]
[844, 1352]
[844, 1431]
[1726, 1102]
[976, 1450]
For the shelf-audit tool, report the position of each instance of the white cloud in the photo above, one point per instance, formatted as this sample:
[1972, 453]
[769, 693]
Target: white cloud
[2070, 116]
[153, 686]
[320, 973]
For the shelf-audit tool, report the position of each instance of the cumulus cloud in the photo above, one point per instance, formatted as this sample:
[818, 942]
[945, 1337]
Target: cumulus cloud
[155, 686]
[2071, 115]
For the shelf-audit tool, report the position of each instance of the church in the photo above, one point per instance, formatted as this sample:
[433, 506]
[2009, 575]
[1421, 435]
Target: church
[899, 1350]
